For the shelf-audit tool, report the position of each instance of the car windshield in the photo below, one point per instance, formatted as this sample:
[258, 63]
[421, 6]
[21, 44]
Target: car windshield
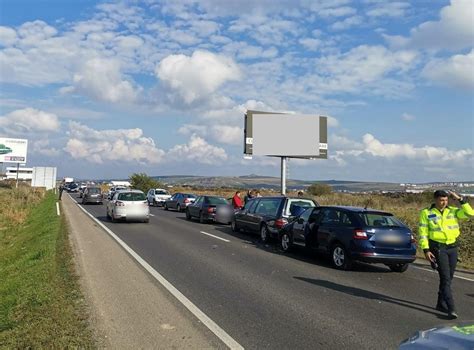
[94, 190]
[160, 192]
[216, 200]
[372, 219]
[131, 196]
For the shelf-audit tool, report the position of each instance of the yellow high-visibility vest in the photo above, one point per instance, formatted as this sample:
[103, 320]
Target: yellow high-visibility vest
[441, 227]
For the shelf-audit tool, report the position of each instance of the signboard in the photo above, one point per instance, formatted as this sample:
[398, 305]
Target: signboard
[285, 135]
[44, 177]
[13, 150]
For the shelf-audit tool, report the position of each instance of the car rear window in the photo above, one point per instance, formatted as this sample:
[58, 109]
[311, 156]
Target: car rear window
[161, 192]
[216, 200]
[131, 196]
[268, 206]
[380, 220]
[189, 195]
[297, 202]
[93, 190]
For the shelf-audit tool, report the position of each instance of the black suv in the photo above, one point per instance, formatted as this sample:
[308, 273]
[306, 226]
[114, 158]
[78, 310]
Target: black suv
[267, 215]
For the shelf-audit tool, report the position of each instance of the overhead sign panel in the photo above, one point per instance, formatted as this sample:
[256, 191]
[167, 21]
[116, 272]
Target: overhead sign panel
[287, 135]
[13, 150]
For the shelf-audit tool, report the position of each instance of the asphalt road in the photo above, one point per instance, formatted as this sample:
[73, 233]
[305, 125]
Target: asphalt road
[269, 300]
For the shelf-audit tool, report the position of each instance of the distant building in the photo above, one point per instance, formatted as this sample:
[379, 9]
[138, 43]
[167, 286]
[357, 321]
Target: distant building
[24, 174]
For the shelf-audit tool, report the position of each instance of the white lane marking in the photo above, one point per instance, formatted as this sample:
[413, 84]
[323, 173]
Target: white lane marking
[57, 209]
[152, 214]
[213, 327]
[222, 239]
[433, 271]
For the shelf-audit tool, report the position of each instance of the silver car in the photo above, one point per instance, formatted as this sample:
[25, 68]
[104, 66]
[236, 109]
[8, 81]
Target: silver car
[179, 201]
[128, 205]
[92, 195]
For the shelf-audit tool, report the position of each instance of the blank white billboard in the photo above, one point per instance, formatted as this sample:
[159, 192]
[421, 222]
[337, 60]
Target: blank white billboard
[13, 150]
[44, 177]
[285, 135]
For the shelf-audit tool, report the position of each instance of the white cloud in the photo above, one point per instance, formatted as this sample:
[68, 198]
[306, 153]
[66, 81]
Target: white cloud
[29, 120]
[33, 32]
[102, 79]
[197, 76]
[389, 9]
[424, 154]
[119, 145]
[7, 36]
[453, 31]
[197, 150]
[337, 11]
[310, 43]
[189, 129]
[456, 71]
[232, 135]
[347, 23]
[43, 147]
[408, 117]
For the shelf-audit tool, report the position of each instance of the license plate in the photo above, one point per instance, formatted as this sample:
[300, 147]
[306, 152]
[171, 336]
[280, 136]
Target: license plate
[391, 239]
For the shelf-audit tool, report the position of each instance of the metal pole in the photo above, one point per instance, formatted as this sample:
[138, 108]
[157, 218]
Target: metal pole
[283, 175]
[17, 171]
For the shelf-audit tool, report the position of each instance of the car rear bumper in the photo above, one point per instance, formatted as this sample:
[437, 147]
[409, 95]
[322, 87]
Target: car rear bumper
[370, 257]
[222, 219]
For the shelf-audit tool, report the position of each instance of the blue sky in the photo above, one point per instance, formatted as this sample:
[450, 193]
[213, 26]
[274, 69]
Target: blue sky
[103, 89]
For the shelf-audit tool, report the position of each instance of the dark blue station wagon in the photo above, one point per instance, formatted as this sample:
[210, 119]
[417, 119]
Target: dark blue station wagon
[351, 233]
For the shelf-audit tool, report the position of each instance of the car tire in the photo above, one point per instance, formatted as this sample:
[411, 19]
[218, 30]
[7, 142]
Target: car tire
[188, 215]
[234, 227]
[339, 257]
[201, 218]
[286, 242]
[398, 267]
[165, 207]
[146, 221]
[264, 235]
[178, 208]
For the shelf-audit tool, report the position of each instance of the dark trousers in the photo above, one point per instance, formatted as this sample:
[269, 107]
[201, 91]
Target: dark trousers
[446, 258]
[60, 193]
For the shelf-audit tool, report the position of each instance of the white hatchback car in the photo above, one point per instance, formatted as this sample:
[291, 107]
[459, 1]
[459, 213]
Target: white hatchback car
[128, 205]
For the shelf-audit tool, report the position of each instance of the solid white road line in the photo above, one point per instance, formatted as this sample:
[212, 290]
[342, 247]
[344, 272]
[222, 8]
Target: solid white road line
[57, 209]
[213, 327]
[152, 214]
[222, 239]
[433, 271]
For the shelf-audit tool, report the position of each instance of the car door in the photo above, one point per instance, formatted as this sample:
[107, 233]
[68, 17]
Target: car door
[178, 200]
[299, 227]
[328, 223]
[265, 211]
[241, 215]
[195, 208]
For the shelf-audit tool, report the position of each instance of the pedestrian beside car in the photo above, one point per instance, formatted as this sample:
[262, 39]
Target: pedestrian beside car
[438, 232]
[258, 194]
[237, 201]
[250, 195]
[300, 194]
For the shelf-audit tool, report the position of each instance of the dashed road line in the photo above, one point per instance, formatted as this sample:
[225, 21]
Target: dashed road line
[208, 234]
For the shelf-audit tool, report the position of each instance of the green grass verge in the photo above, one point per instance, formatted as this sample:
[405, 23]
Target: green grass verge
[41, 305]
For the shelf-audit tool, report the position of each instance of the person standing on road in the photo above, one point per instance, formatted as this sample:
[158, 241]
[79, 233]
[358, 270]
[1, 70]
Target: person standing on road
[237, 201]
[438, 232]
[61, 189]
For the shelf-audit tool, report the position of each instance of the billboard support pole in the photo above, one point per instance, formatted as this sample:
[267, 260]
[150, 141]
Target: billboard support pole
[17, 171]
[283, 175]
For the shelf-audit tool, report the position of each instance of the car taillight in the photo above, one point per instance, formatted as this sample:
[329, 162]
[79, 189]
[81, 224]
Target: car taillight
[211, 210]
[279, 223]
[360, 234]
[186, 200]
[412, 238]
[119, 204]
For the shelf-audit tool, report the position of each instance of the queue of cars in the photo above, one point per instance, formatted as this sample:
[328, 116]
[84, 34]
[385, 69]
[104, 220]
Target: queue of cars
[345, 234]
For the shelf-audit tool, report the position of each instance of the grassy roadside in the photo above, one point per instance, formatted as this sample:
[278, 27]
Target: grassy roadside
[41, 305]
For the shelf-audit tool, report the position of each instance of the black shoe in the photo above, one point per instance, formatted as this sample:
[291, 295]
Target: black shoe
[441, 308]
[452, 315]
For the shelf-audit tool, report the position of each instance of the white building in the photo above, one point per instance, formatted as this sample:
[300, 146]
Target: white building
[24, 174]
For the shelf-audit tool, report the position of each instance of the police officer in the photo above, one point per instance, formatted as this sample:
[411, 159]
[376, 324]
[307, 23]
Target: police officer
[438, 231]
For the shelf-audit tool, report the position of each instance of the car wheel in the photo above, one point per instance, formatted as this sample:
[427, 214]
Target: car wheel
[178, 208]
[398, 267]
[201, 218]
[165, 207]
[146, 221]
[234, 226]
[340, 258]
[264, 236]
[188, 215]
[286, 242]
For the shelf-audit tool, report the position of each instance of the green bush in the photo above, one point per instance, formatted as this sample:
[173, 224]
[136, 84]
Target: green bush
[143, 182]
[317, 189]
